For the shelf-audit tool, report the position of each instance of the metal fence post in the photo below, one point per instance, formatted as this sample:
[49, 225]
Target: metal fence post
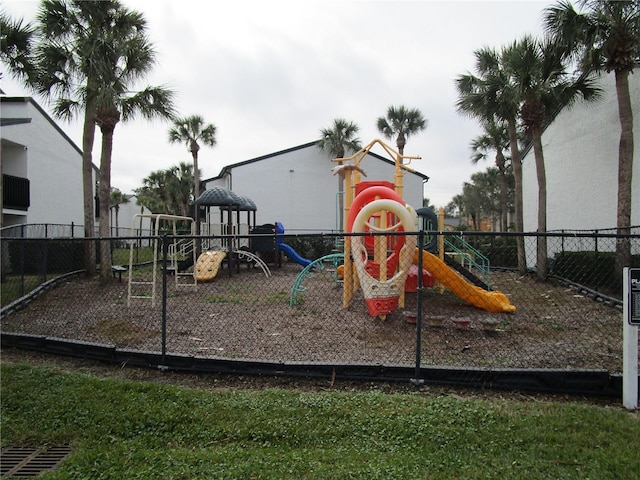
[45, 260]
[22, 242]
[165, 254]
[417, 380]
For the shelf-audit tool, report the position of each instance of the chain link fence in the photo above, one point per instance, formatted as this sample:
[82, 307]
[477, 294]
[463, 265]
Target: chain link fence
[292, 300]
[43, 230]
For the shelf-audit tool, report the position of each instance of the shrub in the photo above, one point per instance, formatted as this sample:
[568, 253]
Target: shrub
[592, 269]
[501, 251]
[36, 257]
[312, 247]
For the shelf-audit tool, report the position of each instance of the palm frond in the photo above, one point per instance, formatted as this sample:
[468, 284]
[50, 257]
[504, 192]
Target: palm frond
[152, 102]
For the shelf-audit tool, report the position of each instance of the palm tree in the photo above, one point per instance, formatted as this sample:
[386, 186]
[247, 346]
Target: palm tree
[156, 185]
[336, 141]
[488, 189]
[180, 187]
[339, 138]
[147, 198]
[426, 202]
[190, 131]
[401, 122]
[153, 193]
[473, 203]
[606, 36]
[495, 138]
[544, 87]
[116, 199]
[16, 46]
[491, 94]
[16, 42]
[455, 206]
[125, 60]
[68, 57]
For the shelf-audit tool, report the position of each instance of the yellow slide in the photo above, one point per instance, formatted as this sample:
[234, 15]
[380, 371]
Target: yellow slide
[490, 301]
[208, 265]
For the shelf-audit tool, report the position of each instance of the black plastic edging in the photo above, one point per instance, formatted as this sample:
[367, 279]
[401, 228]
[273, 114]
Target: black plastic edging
[574, 382]
[22, 302]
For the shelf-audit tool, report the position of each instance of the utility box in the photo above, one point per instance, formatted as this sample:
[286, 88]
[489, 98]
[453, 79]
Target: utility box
[630, 310]
[633, 310]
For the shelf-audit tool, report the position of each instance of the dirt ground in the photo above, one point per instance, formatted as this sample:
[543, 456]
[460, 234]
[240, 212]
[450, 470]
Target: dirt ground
[247, 315]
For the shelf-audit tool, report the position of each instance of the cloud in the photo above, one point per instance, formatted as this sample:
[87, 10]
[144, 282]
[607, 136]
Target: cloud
[270, 75]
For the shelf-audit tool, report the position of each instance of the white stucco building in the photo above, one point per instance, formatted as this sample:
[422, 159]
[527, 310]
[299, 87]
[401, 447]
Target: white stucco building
[297, 188]
[41, 167]
[581, 160]
[125, 215]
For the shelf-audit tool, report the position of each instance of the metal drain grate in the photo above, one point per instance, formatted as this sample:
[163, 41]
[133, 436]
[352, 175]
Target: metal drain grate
[22, 462]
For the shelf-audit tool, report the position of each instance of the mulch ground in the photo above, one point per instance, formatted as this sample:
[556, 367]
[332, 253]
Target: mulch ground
[247, 315]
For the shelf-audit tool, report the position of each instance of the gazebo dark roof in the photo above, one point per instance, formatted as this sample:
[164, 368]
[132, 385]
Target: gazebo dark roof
[218, 196]
[246, 204]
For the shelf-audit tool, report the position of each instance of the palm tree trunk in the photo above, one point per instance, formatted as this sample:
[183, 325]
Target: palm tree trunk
[500, 163]
[88, 134]
[625, 172]
[340, 225]
[517, 175]
[163, 198]
[117, 209]
[196, 181]
[196, 194]
[105, 191]
[541, 260]
[400, 143]
[341, 193]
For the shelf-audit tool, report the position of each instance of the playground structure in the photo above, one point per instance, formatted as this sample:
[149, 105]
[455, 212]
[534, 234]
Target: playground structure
[230, 240]
[287, 249]
[183, 253]
[267, 240]
[178, 249]
[384, 266]
[382, 279]
[227, 240]
[380, 265]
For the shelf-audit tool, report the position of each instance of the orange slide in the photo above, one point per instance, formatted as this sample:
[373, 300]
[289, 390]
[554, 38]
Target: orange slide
[490, 301]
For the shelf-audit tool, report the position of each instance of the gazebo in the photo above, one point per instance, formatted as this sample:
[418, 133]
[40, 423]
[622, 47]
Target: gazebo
[245, 204]
[228, 203]
[230, 206]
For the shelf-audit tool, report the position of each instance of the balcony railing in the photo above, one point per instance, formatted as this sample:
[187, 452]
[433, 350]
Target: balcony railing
[15, 192]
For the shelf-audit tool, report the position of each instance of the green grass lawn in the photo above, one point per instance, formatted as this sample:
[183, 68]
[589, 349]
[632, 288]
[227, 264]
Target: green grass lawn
[16, 286]
[122, 429]
[120, 256]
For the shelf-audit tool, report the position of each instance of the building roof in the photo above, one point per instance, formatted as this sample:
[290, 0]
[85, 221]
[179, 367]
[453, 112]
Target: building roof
[45, 115]
[225, 170]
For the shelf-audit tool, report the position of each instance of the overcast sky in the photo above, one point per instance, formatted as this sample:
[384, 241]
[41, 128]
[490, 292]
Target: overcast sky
[270, 74]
